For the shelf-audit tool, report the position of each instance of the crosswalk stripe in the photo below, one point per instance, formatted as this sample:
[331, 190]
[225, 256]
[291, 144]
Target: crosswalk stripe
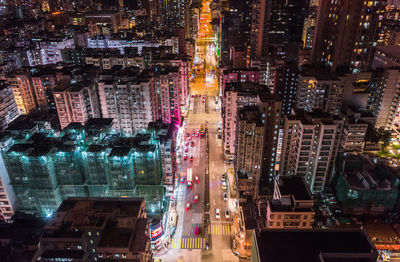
[187, 243]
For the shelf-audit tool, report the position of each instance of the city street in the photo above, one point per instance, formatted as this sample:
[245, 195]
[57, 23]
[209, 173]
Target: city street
[204, 111]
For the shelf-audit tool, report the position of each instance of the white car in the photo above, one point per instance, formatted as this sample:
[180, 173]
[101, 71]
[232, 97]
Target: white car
[224, 185]
[217, 215]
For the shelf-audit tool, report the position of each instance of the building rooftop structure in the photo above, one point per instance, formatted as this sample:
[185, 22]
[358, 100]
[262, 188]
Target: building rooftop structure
[20, 238]
[312, 245]
[112, 225]
[363, 186]
[294, 186]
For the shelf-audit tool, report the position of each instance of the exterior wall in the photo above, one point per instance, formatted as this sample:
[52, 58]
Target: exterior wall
[326, 95]
[8, 107]
[290, 220]
[353, 137]
[77, 105]
[8, 199]
[310, 150]
[387, 99]
[248, 156]
[170, 96]
[63, 108]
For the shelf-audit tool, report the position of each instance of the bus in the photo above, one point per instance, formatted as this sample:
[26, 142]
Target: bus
[189, 179]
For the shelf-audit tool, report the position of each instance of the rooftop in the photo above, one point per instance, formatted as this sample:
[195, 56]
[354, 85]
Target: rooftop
[294, 185]
[310, 245]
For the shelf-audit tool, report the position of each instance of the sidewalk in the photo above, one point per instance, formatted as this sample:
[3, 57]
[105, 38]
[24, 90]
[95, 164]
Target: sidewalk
[231, 178]
[173, 255]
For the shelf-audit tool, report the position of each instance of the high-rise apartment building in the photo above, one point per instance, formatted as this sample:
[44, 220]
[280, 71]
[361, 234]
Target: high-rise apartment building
[318, 89]
[168, 86]
[103, 22]
[236, 95]
[285, 86]
[346, 33]
[33, 89]
[309, 147]
[97, 229]
[8, 199]
[48, 51]
[276, 27]
[8, 107]
[23, 93]
[236, 29]
[84, 161]
[132, 104]
[309, 27]
[76, 101]
[182, 66]
[353, 136]
[249, 146]
[251, 119]
[386, 104]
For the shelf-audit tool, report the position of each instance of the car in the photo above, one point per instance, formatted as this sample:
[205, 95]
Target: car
[186, 143]
[187, 135]
[196, 230]
[192, 144]
[224, 186]
[227, 214]
[191, 158]
[188, 206]
[203, 101]
[185, 157]
[186, 149]
[223, 177]
[225, 196]
[182, 181]
[196, 179]
[216, 109]
[216, 99]
[219, 136]
[217, 215]
[196, 198]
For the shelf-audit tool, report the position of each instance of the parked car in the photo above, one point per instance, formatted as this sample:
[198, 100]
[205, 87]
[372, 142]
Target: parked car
[217, 215]
[188, 206]
[196, 198]
[227, 213]
[225, 196]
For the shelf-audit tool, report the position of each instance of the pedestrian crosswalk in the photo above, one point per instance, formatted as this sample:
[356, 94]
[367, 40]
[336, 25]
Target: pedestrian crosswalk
[187, 243]
[219, 229]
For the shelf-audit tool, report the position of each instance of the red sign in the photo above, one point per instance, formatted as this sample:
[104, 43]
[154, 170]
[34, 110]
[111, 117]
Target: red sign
[156, 232]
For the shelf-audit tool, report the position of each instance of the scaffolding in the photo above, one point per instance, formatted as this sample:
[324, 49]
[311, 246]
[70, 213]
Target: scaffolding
[45, 171]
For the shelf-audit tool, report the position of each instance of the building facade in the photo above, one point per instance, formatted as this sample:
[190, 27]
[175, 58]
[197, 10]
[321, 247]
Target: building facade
[84, 161]
[347, 32]
[309, 147]
[76, 102]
